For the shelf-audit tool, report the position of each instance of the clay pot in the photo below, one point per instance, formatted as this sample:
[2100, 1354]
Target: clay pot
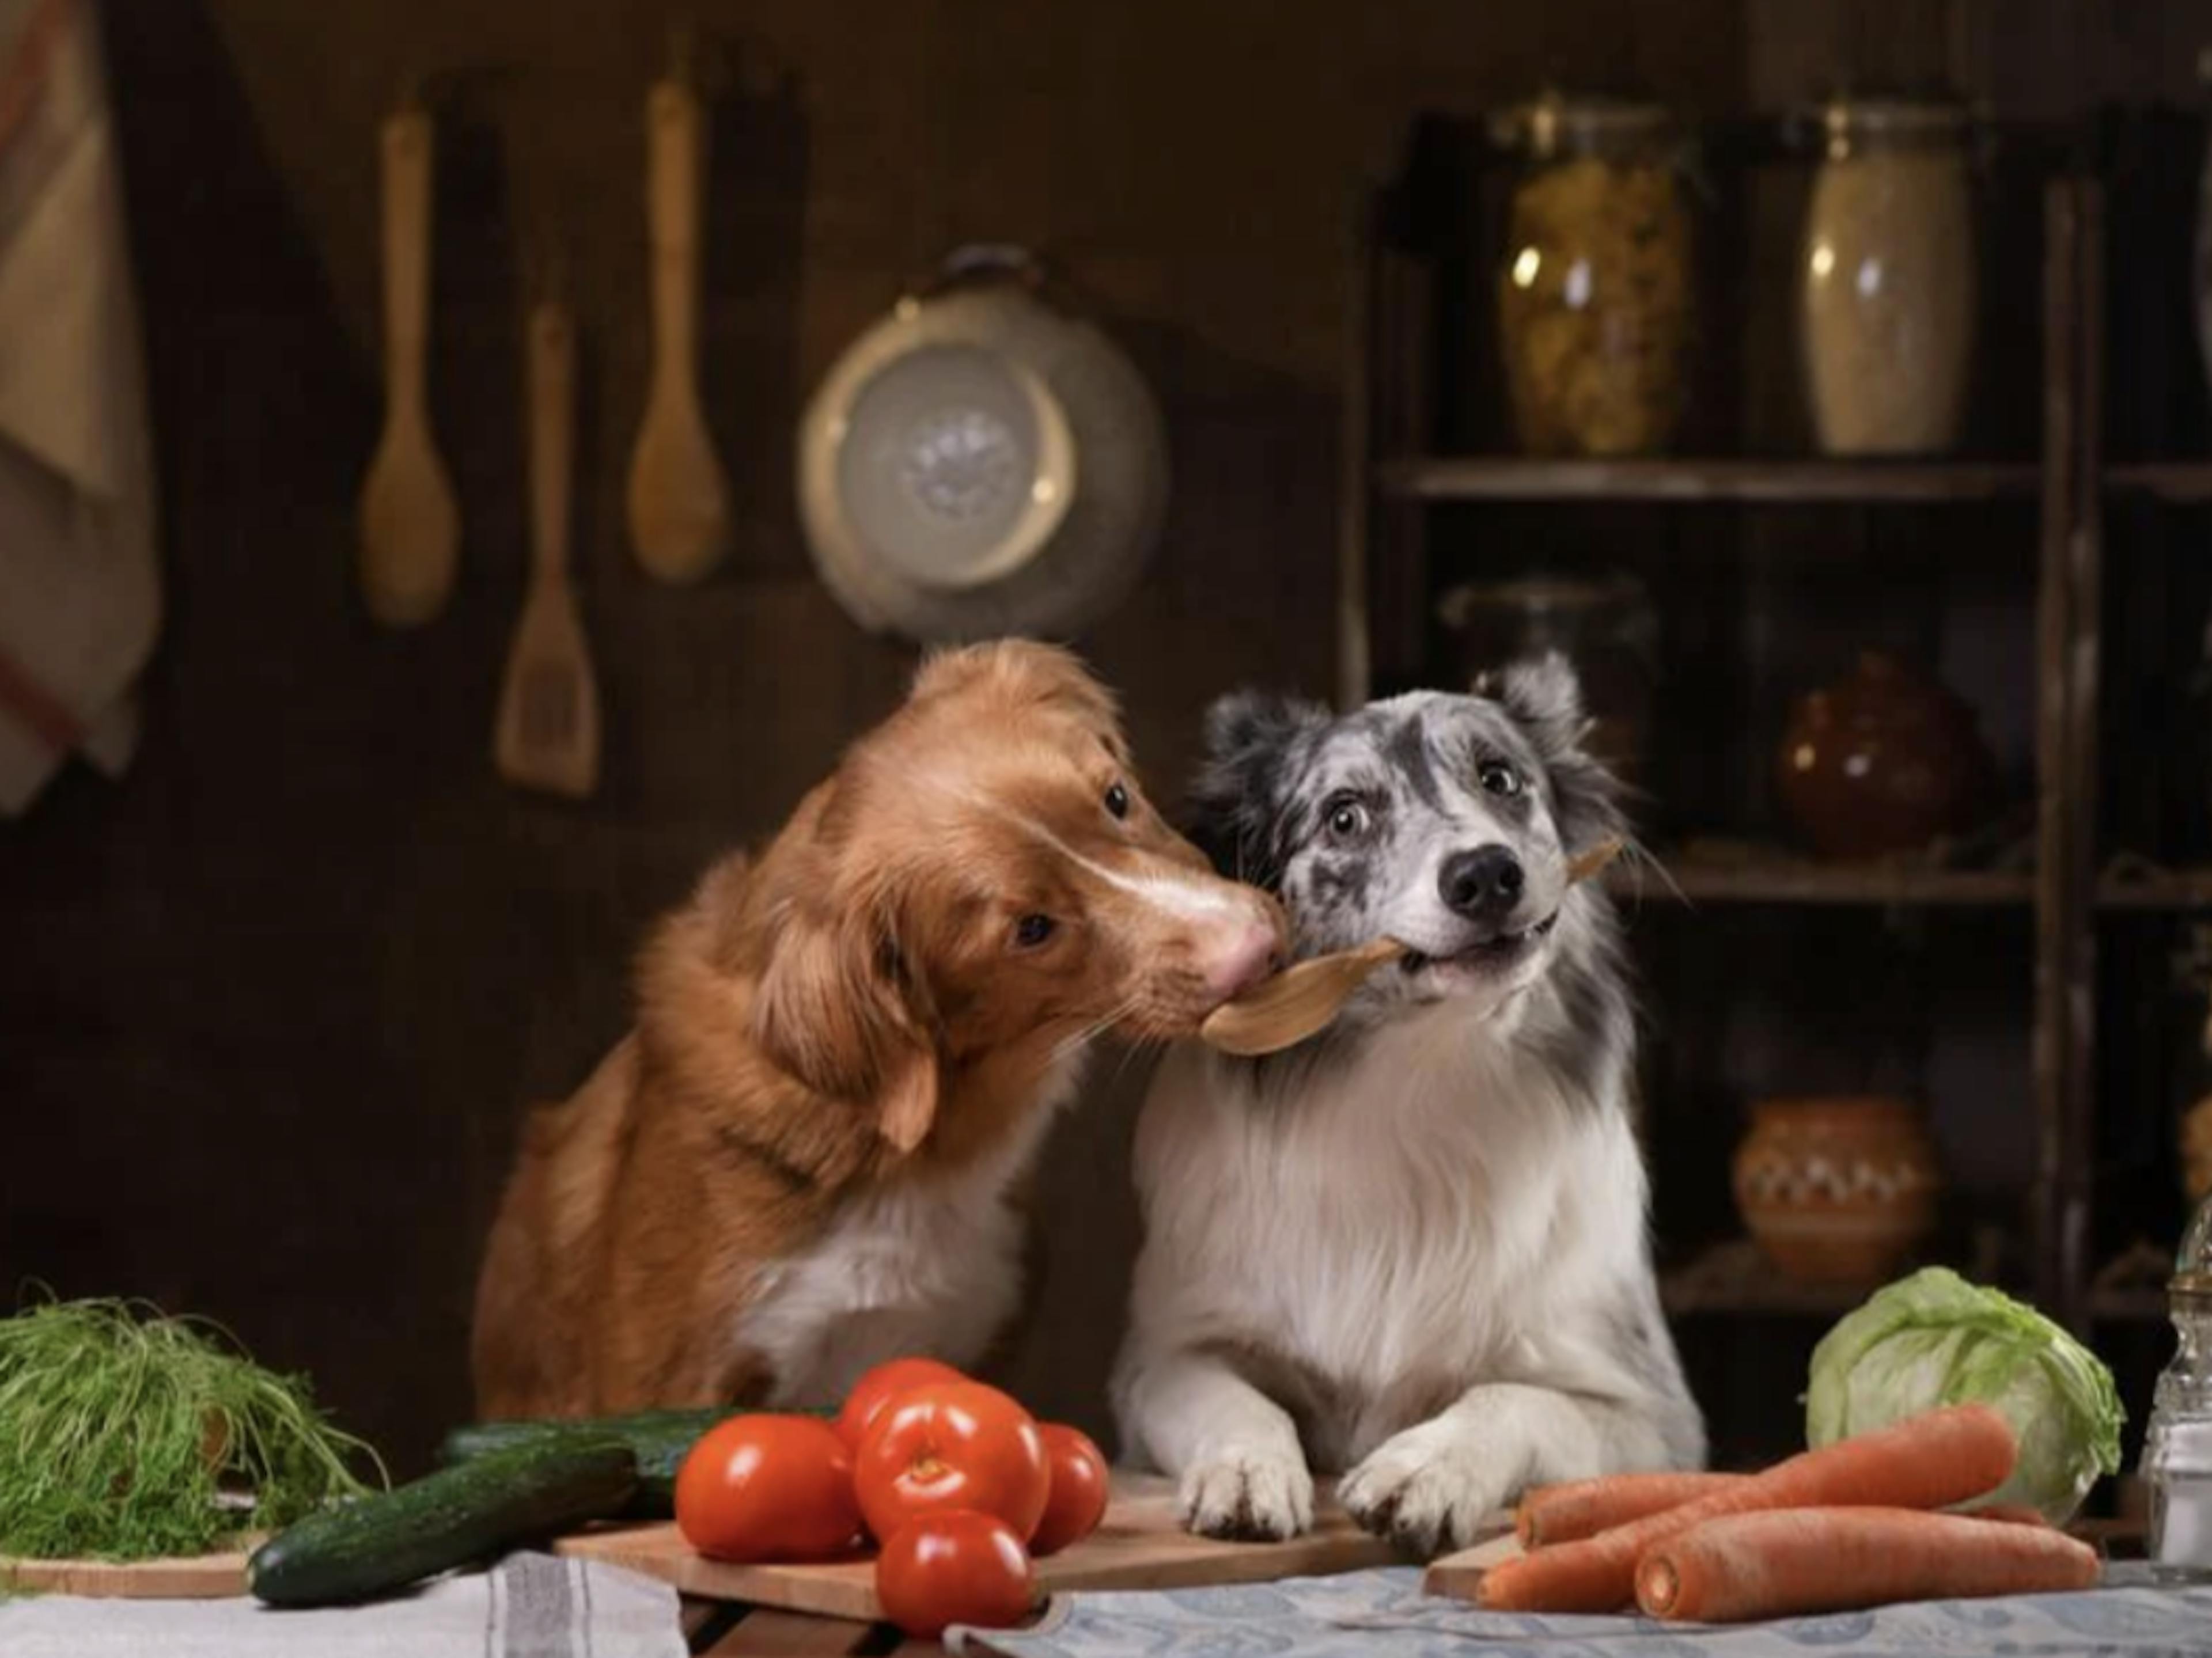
[1882, 762]
[1836, 1190]
[2196, 1148]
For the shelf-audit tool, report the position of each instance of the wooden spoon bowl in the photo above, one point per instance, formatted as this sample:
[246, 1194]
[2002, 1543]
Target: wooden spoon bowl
[1306, 997]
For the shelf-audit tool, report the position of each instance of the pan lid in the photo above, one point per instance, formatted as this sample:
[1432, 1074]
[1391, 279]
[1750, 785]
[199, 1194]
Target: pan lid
[981, 462]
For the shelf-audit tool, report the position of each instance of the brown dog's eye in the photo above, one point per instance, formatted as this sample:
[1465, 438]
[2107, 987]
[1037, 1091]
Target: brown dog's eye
[1117, 800]
[1033, 929]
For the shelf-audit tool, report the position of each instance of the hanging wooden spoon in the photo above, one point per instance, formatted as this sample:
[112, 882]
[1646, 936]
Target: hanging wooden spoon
[1306, 996]
[410, 530]
[679, 500]
[548, 732]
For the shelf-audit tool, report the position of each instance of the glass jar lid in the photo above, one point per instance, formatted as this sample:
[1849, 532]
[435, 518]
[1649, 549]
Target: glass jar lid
[1851, 124]
[1556, 123]
[1541, 595]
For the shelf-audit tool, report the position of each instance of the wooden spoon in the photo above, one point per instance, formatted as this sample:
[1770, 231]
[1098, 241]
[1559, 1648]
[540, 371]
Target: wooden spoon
[1305, 997]
[548, 733]
[679, 500]
[410, 531]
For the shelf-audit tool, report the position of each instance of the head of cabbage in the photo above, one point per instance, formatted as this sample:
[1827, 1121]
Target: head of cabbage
[1933, 1339]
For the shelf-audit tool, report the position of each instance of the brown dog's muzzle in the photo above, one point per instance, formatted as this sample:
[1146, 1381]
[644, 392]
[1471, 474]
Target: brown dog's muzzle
[1187, 941]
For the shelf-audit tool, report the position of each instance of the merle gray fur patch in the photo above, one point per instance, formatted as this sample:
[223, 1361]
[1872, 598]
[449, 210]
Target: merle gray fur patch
[1350, 819]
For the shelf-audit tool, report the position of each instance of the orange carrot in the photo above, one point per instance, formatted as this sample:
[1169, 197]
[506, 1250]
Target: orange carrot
[2009, 1514]
[1582, 1508]
[1785, 1561]
[1927, 1461]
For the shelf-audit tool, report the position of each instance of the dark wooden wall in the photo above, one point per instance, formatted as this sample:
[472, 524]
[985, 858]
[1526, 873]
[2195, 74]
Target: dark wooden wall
[269, 1010]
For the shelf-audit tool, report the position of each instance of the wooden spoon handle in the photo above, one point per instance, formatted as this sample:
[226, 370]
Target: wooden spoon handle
[552, 375]
[675, 160]
[407, 153]
[1585, 865]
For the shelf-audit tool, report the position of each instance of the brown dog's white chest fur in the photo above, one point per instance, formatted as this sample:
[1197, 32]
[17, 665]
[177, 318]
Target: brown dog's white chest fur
[928, 1263]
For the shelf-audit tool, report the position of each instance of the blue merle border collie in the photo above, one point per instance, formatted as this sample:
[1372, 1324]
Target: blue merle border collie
[1413, 1250]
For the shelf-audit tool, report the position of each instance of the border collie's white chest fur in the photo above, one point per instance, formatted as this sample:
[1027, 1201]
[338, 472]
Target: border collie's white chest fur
[1397, 1223]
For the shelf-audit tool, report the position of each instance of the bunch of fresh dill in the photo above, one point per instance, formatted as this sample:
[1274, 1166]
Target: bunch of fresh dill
[128, 1435]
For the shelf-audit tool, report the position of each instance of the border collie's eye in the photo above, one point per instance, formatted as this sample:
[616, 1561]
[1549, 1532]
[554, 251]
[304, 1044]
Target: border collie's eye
[1033, 929]
[1498, 777]
[1348, 819]
[1117, 800]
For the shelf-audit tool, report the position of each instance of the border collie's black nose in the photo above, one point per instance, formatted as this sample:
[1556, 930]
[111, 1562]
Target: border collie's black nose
[1484, 882]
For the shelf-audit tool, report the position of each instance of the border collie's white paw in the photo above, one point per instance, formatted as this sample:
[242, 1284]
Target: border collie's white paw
[1250, 1497]
[1429, 1489]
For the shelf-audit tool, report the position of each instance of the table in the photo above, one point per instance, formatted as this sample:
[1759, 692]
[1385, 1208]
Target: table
[724, 1629]
[720, 1629]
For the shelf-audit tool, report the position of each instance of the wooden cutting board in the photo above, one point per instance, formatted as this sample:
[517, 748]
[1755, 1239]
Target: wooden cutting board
[1139, 1547]
[194, 1577]
[1460, 1575]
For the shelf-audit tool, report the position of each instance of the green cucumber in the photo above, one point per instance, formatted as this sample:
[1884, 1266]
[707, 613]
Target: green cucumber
[454, 1517]
[660, 1440]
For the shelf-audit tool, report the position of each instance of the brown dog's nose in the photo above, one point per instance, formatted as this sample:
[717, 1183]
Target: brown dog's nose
[1241, 955]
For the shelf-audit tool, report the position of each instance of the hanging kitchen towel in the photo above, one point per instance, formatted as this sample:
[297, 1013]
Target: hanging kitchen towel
[531, 1606]
[79, 587]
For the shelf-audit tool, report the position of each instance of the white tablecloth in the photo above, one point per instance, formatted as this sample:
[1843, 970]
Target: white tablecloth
[1385, 1613]
[532, 1606]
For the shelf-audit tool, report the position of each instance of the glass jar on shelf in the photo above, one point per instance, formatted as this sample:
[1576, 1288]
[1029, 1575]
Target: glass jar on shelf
[1886, 277]
[1595, 306]
[1605, 624]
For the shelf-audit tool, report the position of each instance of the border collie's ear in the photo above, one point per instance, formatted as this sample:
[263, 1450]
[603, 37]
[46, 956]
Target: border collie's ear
[1543, 694]
[831, 1010]
[1234, 806]
[1545, 699]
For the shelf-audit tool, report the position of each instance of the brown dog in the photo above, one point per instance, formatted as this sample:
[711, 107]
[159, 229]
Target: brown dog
[803, 1159]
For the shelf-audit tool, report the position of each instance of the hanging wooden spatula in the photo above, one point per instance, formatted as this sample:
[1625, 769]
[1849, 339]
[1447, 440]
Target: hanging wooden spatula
[679, 499]
[1306, 996]
[548, 733]
[410, 531]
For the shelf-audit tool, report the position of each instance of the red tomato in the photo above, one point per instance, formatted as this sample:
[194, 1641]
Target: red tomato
[1078, 1501]
[768, 1488]
[959, 1567]
[952, 1445]
[882, 1385]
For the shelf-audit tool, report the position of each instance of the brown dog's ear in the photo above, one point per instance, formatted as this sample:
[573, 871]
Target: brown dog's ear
[830, 1009]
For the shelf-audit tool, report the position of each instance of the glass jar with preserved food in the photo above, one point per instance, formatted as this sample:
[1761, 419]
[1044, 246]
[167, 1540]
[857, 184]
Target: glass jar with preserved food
[1606, 625]
[1886, 278]
[1594, 303]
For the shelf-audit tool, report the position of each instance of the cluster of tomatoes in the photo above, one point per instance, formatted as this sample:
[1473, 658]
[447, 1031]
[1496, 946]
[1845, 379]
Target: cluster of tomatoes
[961, 1486]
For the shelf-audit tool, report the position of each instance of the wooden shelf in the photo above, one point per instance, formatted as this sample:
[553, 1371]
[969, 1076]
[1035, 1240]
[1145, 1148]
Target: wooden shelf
[1735, 1278]
[2130, 1287]
[2129, 1306]
[2182, 482]
[1504, 478]
[2165, 889]
[1772, 877]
